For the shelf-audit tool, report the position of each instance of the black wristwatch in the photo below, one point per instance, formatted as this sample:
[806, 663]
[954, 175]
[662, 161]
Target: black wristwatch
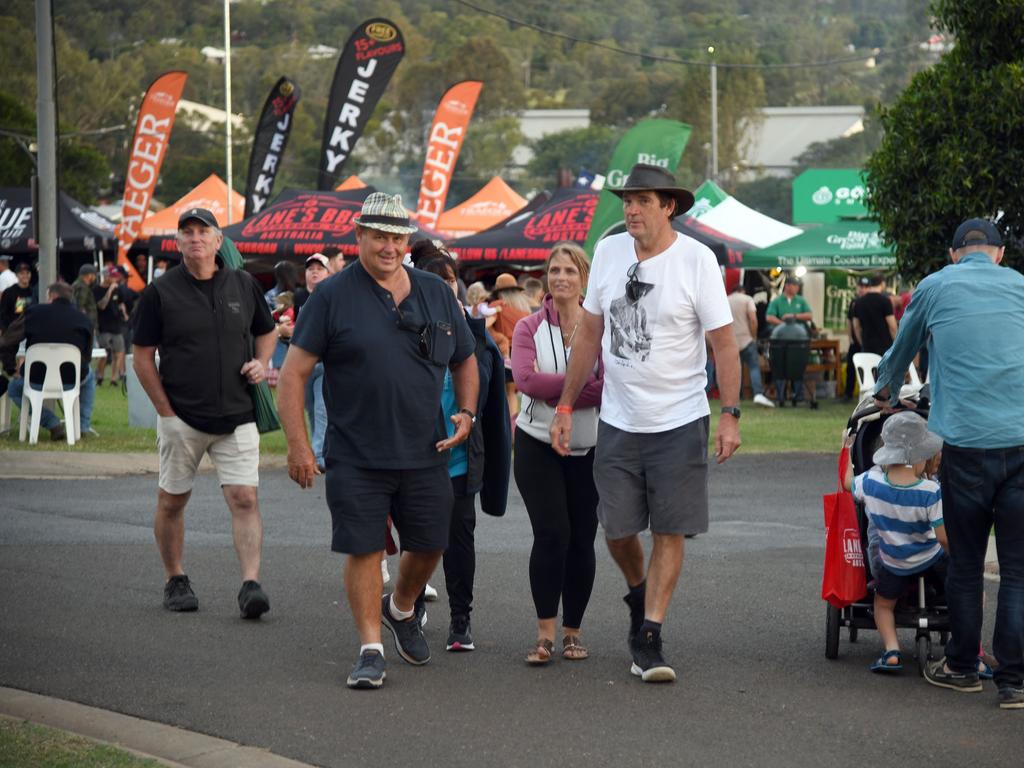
[732, 410]
[472, 416]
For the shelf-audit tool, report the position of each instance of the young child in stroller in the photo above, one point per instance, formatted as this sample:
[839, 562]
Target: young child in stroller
[904, 509]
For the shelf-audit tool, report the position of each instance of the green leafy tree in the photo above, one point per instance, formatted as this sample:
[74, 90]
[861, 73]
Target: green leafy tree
[576, 149]
[954, 141]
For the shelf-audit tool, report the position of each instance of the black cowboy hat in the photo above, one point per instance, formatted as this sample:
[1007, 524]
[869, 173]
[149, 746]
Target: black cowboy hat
[644, 177]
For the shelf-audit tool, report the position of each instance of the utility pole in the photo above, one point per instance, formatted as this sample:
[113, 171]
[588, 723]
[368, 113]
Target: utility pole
[46, 143]
[227, 99]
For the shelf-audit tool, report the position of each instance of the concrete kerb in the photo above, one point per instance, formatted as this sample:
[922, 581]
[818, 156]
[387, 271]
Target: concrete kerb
[64, 465]
[167, 744]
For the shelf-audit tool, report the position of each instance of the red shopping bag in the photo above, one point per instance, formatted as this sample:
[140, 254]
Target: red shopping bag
[843, 581]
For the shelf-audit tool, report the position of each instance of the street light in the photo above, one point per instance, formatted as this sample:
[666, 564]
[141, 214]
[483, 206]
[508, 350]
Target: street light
[714, 114]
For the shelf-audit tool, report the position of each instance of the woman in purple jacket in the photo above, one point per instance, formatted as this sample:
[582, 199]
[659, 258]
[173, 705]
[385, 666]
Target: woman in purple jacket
[559, 492]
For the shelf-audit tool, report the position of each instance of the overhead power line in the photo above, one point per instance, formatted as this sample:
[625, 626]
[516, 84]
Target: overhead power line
[674, 60]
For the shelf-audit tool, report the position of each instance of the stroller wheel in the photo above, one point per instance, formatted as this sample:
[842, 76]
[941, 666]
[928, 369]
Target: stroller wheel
[853, 634]
[924, 651]
[831, 632]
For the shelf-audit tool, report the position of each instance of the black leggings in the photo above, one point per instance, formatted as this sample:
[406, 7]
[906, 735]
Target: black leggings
[561, 501]
[460, 556]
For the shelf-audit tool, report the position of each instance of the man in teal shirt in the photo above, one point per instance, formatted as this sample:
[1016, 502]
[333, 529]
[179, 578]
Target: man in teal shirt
[790, 302]
[971, 316]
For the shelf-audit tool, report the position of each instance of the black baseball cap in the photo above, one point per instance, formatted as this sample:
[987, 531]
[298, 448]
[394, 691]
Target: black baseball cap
[976, 232]
[199, 214]
[793, 280]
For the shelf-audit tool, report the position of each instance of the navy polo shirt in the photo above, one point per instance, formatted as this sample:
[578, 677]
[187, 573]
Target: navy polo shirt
[383, 396]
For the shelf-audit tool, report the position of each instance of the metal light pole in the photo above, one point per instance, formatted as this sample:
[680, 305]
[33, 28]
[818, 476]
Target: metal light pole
[714, 115]
[227, 99]
[46, 142]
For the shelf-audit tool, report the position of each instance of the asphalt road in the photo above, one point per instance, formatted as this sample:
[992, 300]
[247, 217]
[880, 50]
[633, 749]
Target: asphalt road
[81, 619]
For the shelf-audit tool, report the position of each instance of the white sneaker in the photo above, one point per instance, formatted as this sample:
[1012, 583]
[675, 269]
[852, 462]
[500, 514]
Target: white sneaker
[762, 400]
[384, 570]
[429, 593]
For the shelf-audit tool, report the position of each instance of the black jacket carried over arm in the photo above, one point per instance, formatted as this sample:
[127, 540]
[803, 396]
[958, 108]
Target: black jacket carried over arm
[489, 448]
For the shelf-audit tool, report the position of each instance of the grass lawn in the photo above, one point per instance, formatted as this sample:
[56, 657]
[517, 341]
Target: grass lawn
[764, 430]
[25, 744]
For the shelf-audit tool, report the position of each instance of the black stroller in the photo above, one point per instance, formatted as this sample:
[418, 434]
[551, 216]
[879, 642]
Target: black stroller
[922, 608]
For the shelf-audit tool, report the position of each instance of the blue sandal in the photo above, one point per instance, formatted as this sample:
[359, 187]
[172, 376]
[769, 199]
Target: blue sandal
[882, 662]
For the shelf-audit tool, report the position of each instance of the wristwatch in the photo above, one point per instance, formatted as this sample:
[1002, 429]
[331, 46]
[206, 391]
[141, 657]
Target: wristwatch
[472, 416]
[732, 410]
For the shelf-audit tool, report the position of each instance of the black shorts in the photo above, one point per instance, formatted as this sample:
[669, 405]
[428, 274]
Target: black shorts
[418, 500]
[892, 585]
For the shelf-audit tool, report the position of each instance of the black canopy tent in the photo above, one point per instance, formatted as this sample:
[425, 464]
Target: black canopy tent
[524, 240]
[298, 224]
[81, 231]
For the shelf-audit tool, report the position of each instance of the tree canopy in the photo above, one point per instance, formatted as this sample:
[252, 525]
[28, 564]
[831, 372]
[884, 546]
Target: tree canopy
[109, 50]
[954, 140]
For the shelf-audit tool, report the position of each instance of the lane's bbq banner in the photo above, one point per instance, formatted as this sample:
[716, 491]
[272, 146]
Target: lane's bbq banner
[527, 238]
[268, 144]
[657, 142]
[149, 146]
[446, 137]
[367, 63]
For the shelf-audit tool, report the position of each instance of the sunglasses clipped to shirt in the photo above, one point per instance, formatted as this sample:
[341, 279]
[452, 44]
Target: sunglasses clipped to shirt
[633, 282]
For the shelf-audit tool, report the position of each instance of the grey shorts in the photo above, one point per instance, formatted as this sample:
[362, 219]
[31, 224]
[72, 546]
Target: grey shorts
[112, 342]
[655, 480]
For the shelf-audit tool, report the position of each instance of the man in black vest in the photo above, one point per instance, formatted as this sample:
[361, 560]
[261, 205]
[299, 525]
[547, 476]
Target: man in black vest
[215, 336]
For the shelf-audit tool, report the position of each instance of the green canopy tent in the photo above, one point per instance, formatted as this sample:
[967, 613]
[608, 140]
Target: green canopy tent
[841, 245]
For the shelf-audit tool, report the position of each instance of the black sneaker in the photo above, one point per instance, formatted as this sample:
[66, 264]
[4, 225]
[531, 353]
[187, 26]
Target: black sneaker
[648, 663]
[368, 671]
[252, 600]
[459, 637]
[1011, 698]
[420, 610]
[178, 595]
[965, 682]
[409, 640]
[636, 615]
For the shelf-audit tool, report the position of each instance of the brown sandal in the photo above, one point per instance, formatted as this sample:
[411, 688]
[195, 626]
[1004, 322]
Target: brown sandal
[541, 652]
[572, 649]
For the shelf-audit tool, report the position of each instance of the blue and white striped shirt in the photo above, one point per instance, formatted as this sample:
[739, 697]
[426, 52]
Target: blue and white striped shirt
[905, 517]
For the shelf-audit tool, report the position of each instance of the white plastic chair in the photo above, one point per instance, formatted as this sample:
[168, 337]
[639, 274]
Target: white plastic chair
[5, 414]
[51, 357]
[866, 365]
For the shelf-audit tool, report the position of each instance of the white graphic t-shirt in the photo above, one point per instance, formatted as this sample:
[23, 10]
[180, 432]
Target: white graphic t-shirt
[653, 344]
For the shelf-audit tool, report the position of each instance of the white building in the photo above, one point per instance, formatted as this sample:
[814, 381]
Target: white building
[779, 135]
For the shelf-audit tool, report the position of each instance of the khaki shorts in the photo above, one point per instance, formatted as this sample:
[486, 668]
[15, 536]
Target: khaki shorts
[236, 456]
[112, 342]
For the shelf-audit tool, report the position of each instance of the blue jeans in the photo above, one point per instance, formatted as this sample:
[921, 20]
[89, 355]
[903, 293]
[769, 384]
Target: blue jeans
[749, 356]
[47, 418]
[980, 488]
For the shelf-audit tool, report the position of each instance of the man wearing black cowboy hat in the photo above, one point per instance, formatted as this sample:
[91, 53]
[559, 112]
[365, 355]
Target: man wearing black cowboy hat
[660, 293]
[385, 333]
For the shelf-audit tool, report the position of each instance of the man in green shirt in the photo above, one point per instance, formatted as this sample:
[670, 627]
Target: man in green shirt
[789, 303]
[81, 293]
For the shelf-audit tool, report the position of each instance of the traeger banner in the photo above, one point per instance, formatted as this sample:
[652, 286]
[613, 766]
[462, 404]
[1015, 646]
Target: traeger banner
[152, 135]
[657, 142]
[366, 65]
[268, 144]
[446, 137]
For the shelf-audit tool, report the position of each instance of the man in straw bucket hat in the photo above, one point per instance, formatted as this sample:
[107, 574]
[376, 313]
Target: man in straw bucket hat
[971, 316]
[385, 333]
[652, 297]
